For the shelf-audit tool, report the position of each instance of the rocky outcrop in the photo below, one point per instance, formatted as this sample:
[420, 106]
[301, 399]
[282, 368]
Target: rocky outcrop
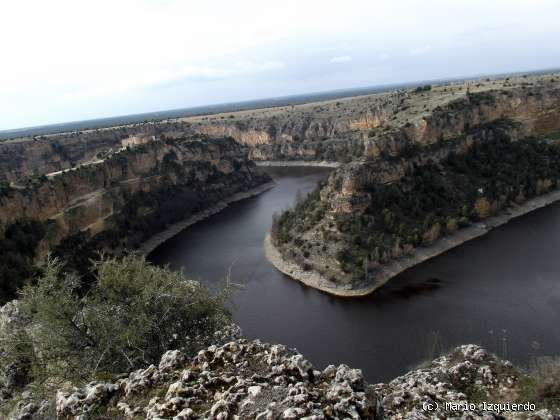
[31, 157]
[241, 379]
[331, 131]
[468, 383]
[253, 380]
[196, 172]
[341, 244]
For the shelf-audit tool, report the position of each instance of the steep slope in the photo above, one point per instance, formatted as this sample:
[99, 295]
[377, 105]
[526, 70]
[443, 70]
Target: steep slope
[365, 126]
[472, 159]
[120, 202]
[31, 157]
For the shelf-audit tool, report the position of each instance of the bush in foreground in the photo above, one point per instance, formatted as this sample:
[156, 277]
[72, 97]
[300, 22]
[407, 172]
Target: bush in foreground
[131, 315]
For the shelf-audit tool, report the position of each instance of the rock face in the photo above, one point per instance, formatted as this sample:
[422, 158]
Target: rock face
[330, 241]
[331, 131]
[196, 172]
[241, 379]
[25, 157]
[453, 127]
[337, 130]
[384, 123]
[253, 380]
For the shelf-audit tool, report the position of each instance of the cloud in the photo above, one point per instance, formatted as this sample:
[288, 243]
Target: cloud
[420, 50]
[341, 59]
[198, 52]
[197, 73]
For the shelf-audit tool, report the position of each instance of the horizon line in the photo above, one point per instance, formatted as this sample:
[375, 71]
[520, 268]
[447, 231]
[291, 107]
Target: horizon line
[409, 83]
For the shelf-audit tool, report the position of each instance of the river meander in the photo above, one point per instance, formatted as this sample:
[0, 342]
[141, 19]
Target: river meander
[501, 290]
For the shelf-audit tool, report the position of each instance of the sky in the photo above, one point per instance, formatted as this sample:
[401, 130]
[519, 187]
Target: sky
[68, 60]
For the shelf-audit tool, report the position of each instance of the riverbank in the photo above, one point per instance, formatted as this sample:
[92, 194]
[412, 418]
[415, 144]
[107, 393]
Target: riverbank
[387, 272]
[159, 238]
[289, 163]
[310, 278]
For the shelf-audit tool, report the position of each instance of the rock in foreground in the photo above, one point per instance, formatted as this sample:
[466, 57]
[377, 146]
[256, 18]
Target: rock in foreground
[253, 380]
[242, 378]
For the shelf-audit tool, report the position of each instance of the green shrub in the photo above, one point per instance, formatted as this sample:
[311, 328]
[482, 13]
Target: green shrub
[424, 88]
[542, 385]
[17, 250]
[128, 318]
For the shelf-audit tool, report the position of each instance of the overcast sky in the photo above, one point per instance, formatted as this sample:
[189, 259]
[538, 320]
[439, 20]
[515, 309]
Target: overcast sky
[65, 60]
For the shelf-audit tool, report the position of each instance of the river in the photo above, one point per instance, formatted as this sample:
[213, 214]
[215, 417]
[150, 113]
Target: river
[501, 290]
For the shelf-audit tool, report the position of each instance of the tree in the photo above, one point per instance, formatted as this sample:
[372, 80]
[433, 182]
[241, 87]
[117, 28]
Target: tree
[482, 207]
[275, 228]
[432, 234]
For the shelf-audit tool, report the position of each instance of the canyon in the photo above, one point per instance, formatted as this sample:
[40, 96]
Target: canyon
[134, 187]
[119, 202]
[319, 249]
[79, 182]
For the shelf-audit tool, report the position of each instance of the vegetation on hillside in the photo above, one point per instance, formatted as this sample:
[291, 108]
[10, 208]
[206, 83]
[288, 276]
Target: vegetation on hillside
[432, 200]
[425, 88]
[183, 189]
[129, 317]
[17, 250]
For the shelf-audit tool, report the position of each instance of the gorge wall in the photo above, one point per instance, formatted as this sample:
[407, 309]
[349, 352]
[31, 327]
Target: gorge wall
[119, 202]
[336, 130]
[332, 131]
[32, 157]
[453, 127]
[85, 197]
[466, 160]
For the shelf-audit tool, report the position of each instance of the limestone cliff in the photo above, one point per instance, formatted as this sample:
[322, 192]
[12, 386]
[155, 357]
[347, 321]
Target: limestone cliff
[333, 130]
[336, 130]
[451, 128]
[27, 157]
[134, 193]
[413, 187]
[384, 123]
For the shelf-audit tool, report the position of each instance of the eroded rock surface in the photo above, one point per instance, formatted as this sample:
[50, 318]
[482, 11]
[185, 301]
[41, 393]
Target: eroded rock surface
[241, 379]
[253, 380]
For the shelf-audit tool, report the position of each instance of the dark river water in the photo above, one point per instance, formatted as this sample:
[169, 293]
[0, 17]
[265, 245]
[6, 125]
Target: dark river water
[501, 290]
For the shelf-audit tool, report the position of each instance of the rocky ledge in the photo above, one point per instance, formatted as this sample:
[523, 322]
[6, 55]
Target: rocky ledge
[253, 380]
